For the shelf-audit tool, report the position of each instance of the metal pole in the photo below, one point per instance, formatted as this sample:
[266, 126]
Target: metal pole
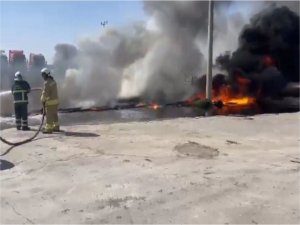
[210, 49]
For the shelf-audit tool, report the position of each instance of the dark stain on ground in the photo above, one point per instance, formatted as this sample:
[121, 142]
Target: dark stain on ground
[65, 211]
[232, 142]
[194, 149]
[80, 134]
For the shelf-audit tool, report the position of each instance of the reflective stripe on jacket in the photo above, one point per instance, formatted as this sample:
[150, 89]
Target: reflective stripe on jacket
[20, 89]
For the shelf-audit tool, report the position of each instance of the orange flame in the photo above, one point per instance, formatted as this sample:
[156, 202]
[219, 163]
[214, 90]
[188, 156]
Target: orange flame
[268, 61]
[154, 106]
[229, 97]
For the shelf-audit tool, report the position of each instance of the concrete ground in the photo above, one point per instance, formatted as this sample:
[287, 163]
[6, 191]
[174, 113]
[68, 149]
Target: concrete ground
[191, 170]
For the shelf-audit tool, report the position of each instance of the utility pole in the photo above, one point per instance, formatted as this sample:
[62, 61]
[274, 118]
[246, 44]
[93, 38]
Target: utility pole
[210, 49]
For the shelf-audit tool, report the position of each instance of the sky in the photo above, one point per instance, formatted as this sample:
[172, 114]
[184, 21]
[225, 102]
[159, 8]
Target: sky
[37, 26]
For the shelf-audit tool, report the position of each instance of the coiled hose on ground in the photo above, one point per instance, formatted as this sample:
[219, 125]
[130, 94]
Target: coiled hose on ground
[27, 140]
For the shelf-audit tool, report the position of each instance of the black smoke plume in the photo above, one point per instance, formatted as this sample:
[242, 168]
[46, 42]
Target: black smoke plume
[268, 51]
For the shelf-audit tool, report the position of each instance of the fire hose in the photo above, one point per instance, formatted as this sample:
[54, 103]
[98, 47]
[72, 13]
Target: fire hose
[31, 138]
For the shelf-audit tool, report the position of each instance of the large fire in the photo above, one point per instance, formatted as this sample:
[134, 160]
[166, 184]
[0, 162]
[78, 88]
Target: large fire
[235, 99]
[229, 97]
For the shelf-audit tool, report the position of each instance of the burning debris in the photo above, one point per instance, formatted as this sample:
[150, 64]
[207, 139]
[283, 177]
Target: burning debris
[266, 60]
[155, 106]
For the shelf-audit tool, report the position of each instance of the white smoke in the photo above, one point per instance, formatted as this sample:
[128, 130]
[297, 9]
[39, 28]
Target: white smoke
[101, 63]
[155, 60]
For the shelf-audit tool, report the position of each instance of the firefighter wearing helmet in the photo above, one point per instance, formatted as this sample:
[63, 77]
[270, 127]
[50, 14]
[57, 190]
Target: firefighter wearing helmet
[20, 89]
[49, 99]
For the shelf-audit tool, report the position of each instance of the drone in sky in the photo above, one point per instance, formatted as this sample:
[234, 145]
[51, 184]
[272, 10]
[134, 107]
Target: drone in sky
[104, 23]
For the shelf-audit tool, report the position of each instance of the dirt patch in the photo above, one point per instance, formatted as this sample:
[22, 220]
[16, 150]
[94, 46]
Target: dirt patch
[115, 202]
[194, 149]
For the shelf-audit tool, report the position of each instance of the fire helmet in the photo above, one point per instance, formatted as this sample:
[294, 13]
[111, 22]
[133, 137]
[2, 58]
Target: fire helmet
[45, 71]
[18, 76]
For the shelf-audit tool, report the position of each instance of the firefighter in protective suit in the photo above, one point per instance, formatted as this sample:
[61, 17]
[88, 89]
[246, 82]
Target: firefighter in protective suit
[20, 89]
[49, 99]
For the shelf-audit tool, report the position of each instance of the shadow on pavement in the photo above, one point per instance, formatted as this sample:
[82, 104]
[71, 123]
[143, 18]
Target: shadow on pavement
[5, 165]
[80, 134]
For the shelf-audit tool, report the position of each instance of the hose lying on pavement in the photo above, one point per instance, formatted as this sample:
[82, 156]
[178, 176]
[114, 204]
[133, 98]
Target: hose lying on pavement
[27, 140]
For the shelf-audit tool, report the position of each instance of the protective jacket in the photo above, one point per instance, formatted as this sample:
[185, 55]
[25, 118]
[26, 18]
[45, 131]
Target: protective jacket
[20, 89]
[49, 95]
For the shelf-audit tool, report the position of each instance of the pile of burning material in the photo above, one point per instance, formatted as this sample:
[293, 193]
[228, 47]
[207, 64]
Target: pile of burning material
[264, 70]
[240, 94]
